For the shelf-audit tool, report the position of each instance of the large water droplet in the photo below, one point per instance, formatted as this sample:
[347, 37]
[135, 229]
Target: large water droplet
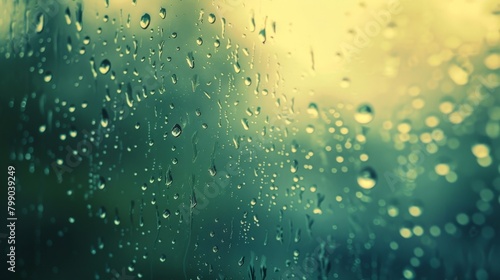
[39, 23]
[313, 110]
[145, 21]
[176, 130]
[367, 178]
[163, 13]
[364, 114]
[211, 18]
[105, 66]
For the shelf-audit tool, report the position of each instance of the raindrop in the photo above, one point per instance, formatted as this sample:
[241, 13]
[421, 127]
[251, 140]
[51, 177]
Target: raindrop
[166, 213]
[212, 170]
[105, 66]
[145, 21]
[102, 183]
[248, 81]
[163, 13]
[367, 178]
[295, 166]
[244, 123]
[48, 77]
[211, 18]
[67, 16]
[39, 23]
[313, 110]
[190, 60]
[364, 114]
[199, 41]
[176, 130]
[104, 118]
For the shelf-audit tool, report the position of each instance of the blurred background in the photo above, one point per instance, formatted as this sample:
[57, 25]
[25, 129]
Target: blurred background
[230, 139]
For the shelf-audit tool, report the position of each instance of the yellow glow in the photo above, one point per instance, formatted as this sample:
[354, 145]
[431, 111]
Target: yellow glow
[442, 169]
[415, 211]
[405, 232]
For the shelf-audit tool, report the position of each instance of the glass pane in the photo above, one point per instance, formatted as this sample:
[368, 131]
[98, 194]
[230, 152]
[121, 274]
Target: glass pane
[233, 139]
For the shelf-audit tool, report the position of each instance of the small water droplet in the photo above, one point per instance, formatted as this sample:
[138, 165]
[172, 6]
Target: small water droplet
[102, 183]
[190, 60]
[48, 77]
[241, 261]
[295, 166]
[166, 213]
[245, 124]
[104, 118]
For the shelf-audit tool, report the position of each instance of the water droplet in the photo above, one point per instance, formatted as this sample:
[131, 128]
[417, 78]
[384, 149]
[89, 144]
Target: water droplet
[163, 13]
[199, 41]
[166, 213]
[105, 66]
[244, 123]
[212, 170]
[367, 178]
[364, 114]
[145, 21]
[295, 166]
[163, 258]
[237, 67]
[262, 36]
[79, 17]
[190, 60]
[211, 18]
[67, 16]
[47, 77]
[102, 183]
[176, 130]
[248, 81]
[39, 23]
[104, 118]
[313, 110]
